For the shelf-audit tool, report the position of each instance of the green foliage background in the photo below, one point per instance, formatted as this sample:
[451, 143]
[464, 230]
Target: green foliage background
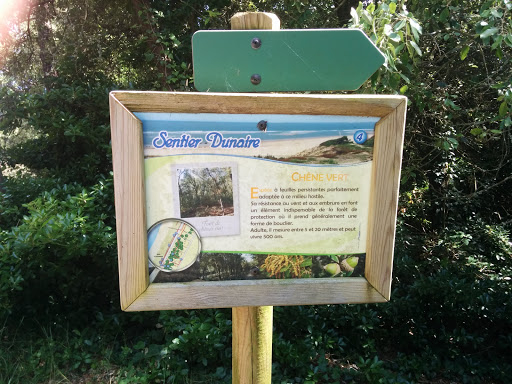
[450, 314]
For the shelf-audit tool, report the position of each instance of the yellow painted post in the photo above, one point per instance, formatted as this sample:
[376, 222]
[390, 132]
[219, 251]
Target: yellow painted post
[252, 326]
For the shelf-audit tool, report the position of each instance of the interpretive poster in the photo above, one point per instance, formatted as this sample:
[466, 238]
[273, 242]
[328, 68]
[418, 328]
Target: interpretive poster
[247, 196]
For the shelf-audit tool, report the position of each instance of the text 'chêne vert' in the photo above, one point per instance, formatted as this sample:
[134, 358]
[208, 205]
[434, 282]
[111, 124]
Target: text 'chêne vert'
[308, 176]
[212, 139]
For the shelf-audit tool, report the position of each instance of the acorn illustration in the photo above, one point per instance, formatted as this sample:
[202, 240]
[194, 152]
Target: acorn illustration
[332, 269]
[348, 264]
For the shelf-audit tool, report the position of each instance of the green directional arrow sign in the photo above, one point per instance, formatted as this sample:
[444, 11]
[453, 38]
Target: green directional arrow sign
[283, 60]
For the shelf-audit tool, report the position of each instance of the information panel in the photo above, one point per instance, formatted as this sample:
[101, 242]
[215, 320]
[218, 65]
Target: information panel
[267, 196]
[227, 200]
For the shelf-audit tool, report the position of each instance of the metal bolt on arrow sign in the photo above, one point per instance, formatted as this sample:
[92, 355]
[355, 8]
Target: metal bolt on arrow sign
[283, 60]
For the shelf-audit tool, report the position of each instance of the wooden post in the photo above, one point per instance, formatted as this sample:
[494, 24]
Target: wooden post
[255, 20]
[252, 326]
[252, 345]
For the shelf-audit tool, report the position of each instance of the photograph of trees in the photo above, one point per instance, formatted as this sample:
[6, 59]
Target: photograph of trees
[205, 192]
[220, 266]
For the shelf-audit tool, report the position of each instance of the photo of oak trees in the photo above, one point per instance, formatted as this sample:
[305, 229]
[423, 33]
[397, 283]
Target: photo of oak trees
[205, 192]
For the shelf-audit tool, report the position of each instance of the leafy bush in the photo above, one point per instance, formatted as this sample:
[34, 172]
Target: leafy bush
[21, 189]
[182, 345]
[69, 122]
[60, 259]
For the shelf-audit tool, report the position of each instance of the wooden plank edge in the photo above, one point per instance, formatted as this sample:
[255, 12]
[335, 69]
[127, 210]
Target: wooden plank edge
[227, 294]
[168, 102]
[125, 281]
[128, 97]
[383, 286]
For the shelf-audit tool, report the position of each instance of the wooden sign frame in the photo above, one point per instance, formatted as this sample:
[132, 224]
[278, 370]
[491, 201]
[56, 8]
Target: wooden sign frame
[137, 294]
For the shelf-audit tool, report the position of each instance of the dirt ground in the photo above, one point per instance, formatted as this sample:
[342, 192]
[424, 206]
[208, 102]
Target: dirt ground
[207, 211]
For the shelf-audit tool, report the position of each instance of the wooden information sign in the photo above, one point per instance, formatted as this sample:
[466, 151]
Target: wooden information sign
[228, 200]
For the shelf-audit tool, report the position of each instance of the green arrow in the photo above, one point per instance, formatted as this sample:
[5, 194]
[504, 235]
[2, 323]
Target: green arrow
[283, 60]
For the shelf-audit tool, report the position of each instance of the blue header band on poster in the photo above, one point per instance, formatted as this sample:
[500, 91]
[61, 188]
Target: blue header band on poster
[237, 126]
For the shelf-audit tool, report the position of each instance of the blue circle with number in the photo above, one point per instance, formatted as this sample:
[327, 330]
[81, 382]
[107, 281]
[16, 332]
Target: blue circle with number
[360, 137]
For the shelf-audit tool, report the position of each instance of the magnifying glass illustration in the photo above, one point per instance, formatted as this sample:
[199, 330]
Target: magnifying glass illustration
[173, 245]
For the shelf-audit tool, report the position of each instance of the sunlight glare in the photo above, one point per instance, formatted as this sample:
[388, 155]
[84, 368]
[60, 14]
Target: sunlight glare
[9, 10]
[8, 7]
